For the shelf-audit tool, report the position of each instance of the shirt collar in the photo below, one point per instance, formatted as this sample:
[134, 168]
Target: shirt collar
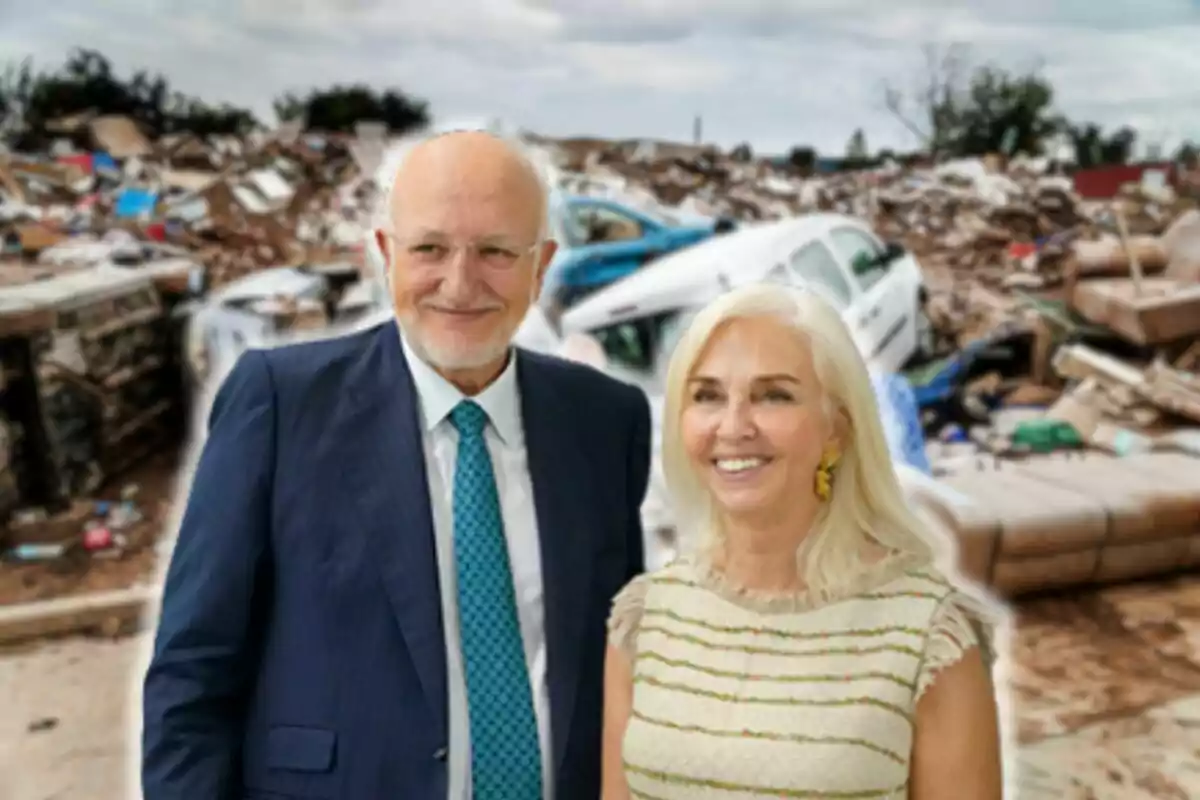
[500, 399]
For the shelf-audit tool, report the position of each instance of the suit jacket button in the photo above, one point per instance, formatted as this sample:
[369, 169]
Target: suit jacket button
[440, 754]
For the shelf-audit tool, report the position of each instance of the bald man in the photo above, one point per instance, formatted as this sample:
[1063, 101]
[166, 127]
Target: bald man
[400, 546]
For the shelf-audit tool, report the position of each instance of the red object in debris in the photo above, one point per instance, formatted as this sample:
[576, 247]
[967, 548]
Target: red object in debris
[97, 538]
[81, 160]
[157, 231]
[1103, 183]
[1021, 249]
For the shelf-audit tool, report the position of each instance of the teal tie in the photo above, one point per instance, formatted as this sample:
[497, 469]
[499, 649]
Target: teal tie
[505, 757]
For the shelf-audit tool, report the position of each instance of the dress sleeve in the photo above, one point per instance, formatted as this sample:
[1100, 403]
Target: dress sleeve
[626, 616]
[959, 624]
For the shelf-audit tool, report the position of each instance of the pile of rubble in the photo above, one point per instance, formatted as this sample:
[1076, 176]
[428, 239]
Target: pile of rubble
[112, 245]
[234, 205]
[1011, 225]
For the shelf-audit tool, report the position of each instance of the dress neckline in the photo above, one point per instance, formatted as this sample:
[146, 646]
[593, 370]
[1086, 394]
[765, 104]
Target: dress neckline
[873, 576]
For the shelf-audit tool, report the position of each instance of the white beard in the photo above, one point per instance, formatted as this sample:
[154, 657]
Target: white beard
[449, 356]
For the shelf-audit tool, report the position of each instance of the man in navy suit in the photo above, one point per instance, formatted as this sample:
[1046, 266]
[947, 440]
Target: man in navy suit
[400, 547]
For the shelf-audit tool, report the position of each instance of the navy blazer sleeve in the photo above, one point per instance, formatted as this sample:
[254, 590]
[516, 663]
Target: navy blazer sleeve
[637, 477]
[205, 648]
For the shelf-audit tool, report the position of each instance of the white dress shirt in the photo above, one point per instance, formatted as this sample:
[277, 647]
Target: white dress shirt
[505, 436]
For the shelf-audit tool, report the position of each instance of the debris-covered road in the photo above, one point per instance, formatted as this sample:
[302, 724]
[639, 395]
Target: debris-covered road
[1107, 687]
[135, 560]
[65, 733]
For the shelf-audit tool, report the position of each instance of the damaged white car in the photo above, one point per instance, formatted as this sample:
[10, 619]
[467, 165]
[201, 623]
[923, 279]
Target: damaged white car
[877, 286]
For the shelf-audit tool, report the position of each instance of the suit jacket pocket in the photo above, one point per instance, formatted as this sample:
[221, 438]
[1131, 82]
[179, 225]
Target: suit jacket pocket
[298, 749]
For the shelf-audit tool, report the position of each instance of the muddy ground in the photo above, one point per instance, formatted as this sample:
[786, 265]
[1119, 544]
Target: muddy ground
[1107, 692]
[78, 573]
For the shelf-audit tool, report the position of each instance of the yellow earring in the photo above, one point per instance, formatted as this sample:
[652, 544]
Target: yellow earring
[824, 477]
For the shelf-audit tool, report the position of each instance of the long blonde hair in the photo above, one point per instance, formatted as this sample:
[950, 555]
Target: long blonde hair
[867, 503]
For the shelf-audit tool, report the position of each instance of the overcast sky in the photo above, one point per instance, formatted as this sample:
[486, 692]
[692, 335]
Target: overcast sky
[771, 72]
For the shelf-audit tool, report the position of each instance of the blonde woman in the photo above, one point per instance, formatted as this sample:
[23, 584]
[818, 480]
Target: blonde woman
[810, 648]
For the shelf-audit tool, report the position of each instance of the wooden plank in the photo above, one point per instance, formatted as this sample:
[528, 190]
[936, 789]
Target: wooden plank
[1164, 311]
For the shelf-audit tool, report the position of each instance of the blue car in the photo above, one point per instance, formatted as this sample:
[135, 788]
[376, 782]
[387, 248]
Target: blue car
[601, 241]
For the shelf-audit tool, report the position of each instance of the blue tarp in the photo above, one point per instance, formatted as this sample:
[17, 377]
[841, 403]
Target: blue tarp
[939, 381]
[136, 203]
[103, 161]
[901, 419]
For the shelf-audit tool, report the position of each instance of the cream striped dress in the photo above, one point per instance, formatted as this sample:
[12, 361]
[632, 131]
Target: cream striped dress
[742, 696]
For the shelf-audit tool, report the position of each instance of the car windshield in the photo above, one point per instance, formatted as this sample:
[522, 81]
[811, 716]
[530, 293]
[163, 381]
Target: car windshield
[572, 218]
[662, 216]
[636, 344]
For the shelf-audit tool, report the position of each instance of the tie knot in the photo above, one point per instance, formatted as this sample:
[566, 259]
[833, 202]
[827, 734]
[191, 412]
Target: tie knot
[469, 418]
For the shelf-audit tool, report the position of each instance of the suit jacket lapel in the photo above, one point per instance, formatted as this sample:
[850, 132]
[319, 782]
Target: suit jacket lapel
[556, 466]
[386, 468]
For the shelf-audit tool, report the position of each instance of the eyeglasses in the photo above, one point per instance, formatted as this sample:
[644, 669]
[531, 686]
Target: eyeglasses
[493, 254]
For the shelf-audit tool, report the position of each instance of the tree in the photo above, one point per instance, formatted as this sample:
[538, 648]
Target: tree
[959, 109]
[802, 159]
[856, 148]
[926, 111]
[340, 107]
[743, 153]
[1005, 113]
[86, 82]
[1093, 148]
[202, 119]
[15, 88]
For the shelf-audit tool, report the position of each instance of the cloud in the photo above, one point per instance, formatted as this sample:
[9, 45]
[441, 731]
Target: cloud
[771, 72]
[631, 66]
